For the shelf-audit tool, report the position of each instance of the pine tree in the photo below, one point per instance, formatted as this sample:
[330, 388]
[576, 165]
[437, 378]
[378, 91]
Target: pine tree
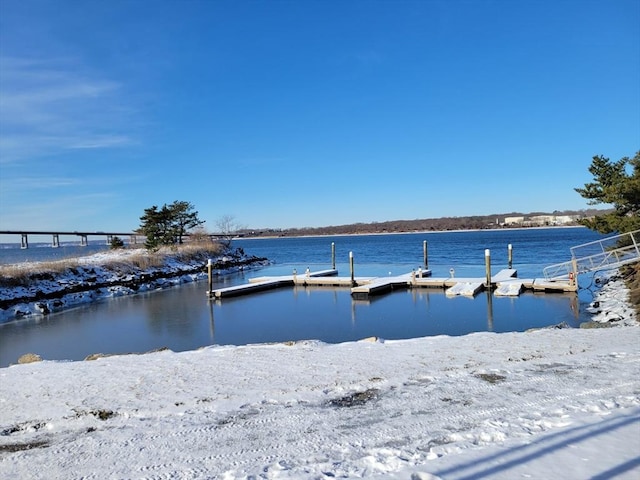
[183, 218]
[614, 184]
[169, 224]
[116, 243]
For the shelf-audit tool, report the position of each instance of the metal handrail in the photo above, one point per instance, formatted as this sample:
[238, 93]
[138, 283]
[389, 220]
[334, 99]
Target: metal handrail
[607, 256]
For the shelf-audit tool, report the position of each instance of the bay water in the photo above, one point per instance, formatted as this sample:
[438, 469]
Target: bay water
[183, 318]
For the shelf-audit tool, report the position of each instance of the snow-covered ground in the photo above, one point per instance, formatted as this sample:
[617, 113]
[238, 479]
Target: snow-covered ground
[553, 403]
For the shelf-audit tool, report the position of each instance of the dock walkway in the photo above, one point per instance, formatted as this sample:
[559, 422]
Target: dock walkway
[268, 283]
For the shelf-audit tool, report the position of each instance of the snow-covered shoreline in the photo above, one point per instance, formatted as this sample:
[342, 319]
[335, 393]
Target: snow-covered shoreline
[106, 275]
[561, 403]
[313, 410]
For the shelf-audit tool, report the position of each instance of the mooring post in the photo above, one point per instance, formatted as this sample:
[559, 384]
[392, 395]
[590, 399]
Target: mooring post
[487, 264]
[510, 252]
[574, 268]
[353, 282]
[333, 255]
[426, 257]
[210, 277]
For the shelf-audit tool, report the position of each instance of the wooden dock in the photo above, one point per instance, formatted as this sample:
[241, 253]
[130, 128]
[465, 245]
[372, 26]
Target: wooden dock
[504, 283]
[269, 283]
[379, 285]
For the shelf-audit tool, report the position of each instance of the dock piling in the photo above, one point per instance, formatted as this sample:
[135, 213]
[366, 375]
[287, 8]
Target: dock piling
[487, 264]
[353, 282]
[333, 255]
[210, 278]
[426, 257]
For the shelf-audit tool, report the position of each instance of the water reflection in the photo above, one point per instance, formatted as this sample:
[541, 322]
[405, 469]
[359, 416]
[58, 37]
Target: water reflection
[212, 325]
[489, 310]
[184, 318]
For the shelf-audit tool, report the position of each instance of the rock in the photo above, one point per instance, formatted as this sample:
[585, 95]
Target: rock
[593, 324]
[29, 358]
[43, 308]
[94, 356]
[369, 339]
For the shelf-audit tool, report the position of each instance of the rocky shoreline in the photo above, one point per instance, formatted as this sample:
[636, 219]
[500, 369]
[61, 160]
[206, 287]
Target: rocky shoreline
[37, 289]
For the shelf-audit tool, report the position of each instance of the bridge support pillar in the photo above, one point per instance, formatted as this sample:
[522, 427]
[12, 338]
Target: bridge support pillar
[55, 241]
[24, 241]
[133, 240]
[83, 241]
[109, 239]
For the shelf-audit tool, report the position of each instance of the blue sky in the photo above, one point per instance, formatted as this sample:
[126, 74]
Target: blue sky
[309, 113]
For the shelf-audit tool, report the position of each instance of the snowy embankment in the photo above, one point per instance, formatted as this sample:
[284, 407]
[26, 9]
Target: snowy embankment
[104, 275]
[552, 403]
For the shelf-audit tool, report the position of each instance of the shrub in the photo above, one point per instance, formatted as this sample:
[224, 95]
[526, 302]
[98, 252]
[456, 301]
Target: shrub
[116, 243]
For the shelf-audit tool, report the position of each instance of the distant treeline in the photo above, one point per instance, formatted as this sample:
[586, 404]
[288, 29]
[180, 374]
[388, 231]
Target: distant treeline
[427, 224]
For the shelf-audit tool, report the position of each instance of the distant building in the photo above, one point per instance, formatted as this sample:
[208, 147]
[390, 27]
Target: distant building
[564, 219]
[513, 220]
[540, 220]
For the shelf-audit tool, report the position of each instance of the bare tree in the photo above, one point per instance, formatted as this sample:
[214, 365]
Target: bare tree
[227, 229]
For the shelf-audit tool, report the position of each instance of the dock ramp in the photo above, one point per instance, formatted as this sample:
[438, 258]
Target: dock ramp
[607, 253]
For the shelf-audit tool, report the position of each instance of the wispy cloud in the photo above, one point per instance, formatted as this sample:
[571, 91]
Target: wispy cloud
[64, 211]
[42, 182]
[49, 106]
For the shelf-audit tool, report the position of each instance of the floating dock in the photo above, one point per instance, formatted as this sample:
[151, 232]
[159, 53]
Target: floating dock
[558, 278]
[268, 283]
[504, 283]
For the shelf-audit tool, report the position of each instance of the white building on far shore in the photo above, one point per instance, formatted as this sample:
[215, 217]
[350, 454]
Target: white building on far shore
[513, 220]
[541, 220]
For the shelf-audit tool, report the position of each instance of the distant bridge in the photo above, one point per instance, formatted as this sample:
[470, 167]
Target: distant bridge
[84, 236]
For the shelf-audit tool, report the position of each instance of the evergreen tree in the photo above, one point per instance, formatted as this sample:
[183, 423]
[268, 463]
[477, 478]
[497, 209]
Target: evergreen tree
[183, 218]
[116, 243]
[169, 224]
[614, 184]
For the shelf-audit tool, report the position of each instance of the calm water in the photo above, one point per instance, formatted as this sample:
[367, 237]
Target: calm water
[41, 251]
[182, 318]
